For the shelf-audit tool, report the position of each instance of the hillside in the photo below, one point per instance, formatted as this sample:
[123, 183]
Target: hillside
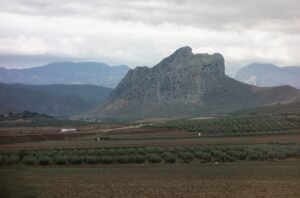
[269, 75]
[57, 100]
[66, 73]
[285, 108]
[186, 84]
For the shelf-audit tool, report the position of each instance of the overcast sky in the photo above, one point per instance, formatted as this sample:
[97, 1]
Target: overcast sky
[136, 32]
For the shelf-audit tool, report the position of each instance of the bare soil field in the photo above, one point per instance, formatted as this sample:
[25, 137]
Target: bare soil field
[32, 134]
[249, 179]
[261, 139]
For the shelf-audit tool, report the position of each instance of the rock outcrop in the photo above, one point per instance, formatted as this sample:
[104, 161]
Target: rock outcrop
[185, 84]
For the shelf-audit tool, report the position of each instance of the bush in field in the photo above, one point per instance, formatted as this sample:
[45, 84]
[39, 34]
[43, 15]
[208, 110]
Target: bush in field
[256, 155]
[203, 156]
[123, 159]
[191, 148]
[59, 160]
[178, 149]
[2, 160]
[99, 151]
[222, 156]
[22, 153]
[186, 156]
[91, 152]
[44, 160]
[140, 159]
[107, 159]
[75, 160]
[50, 153]
[273, 154]
[169, 157]
[80, 152]
[91, 159]
[110, 152]
[132, 158]
[151, 149]
[120, 151]
[13, 159]
[154, 158]
[140, 151]
[130, 151]
[236, 154]
[29, 160]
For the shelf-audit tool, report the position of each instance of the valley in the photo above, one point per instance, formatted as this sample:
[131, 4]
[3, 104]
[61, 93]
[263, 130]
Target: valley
[157, 134]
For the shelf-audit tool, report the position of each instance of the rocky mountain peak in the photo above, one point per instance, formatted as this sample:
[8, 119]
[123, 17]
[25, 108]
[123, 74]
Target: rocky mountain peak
[183, 52]
[184, 83]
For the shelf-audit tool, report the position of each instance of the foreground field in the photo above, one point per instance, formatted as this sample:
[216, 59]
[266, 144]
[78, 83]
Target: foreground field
[255, 179]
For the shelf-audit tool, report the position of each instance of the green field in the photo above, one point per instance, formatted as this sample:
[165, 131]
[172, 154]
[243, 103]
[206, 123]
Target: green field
[152, 154]
[237, 126]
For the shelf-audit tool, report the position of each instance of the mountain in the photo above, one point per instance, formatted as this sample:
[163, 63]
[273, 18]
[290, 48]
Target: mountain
[186, 84]
[57, 100]
[269, 75]
[66, 73]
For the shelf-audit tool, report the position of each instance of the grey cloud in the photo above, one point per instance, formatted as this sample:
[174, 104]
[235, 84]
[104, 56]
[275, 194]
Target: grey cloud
[204, 13]
[138, 32]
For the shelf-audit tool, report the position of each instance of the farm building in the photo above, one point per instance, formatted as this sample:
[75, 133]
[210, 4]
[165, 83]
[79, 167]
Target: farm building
[65, 130]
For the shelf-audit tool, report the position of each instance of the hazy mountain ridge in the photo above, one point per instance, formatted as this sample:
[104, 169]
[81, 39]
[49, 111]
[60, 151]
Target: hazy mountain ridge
[186, 84]
[269, 75]
[66, 73]
[58, 100]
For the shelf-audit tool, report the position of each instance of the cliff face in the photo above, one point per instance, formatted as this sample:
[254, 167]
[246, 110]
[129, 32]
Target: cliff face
[181, 84]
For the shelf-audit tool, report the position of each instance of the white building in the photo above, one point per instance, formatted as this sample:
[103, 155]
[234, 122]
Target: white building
[65, 130]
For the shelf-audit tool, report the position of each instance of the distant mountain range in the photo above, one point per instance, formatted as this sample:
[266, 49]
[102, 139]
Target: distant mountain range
[269, 75]
[186, 84]
[66, 73]
[57, 100]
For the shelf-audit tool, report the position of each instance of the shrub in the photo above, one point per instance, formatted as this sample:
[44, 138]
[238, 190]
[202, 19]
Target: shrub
[22, 153]
[91, 160]
[75, 160]
[179, 149]
[154, 158]
[132, 159]
[110, 151]
[44, 160]
[120, 151]
[169, 157]
[141, 151]
[59, 160]
[2, 160]
[256, 155]
[107, 159]
[140, 159]
[236, 154]
[91, 152]
[13, 159]
[29, 160]
[203, 156]
[123, 159]
[150, 149]
[129, 151]
[186, 156]
[222, 156]
[100, 152]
